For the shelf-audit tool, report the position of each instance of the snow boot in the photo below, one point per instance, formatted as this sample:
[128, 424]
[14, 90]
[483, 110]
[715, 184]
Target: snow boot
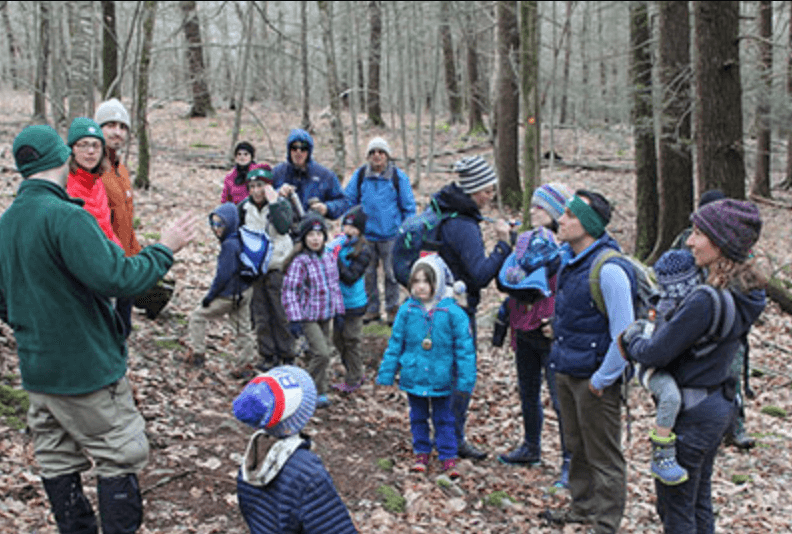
[664, 464]
[73, 512]
[120, 504]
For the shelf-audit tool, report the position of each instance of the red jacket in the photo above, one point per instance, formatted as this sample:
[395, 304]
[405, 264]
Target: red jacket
[82, 184]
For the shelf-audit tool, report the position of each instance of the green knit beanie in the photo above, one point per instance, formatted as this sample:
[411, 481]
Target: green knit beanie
[39, 148]
[84, 127]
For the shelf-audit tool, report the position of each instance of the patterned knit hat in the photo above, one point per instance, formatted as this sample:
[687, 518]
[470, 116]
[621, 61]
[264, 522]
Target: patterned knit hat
[676, 273]
[280, 401]
[552, 198]
[732, 225]
[262, 173]
[378, 143]
[475, 174]
[356, 217]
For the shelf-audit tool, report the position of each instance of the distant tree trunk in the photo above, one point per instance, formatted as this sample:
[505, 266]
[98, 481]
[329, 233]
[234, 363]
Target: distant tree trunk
[476, 93]
[643, 121]
[787, 182]
[306, 103]
[567, 54]
[507, 146]
[58, 84]
[720, 156]
[603, 68]
[761, 181]
[449, 64]
[247, 39]
[80, 86]
[110, 87]
[375, 57]
[529, 47]
[675, 169]
[584, 60]
[40, 94]
[13, 48]
[148, 18]
[336, 124]
[202, 100]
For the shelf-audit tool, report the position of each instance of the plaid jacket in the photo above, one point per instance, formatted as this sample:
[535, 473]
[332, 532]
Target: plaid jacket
[311, 289]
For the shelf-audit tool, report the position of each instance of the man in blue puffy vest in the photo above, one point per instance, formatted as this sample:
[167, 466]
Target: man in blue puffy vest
[588, 365]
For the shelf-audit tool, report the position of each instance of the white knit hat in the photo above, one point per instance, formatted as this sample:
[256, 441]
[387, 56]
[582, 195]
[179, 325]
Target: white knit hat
[378, 143]
[112, 111]
[475, 174]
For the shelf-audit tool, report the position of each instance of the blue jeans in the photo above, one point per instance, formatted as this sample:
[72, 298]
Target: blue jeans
[382, 253]
[443, 421]
[459, 399]
[531, 357]
[687, 508]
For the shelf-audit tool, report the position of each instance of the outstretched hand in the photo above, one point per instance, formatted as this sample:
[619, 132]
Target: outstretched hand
[181, 232]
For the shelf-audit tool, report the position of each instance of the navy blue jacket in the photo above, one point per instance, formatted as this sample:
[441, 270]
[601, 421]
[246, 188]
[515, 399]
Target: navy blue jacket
[314, 181]
[227, 282]
[301, 499]
[463, 245]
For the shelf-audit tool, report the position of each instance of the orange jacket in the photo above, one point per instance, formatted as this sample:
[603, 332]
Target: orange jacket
[121, 202]
[82, 184]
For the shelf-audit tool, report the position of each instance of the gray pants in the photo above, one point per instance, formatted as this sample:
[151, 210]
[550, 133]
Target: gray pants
[317, 333]
[238, 313]
[382, 253]
[668, 397]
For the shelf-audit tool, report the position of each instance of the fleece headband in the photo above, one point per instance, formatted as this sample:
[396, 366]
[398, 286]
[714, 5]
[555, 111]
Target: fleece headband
[591, 221]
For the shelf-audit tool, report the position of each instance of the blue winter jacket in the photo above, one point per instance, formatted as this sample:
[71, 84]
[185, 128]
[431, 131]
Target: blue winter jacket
[300, 499]
[452, 356]
[351, 273]
[463, 245]
[313, 181]
[227, 282]
[385, 207]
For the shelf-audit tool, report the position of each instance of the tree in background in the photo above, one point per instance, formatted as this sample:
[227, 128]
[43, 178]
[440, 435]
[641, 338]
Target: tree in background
[110, 86]
[147, 20]
[336, 124]
[40, 92]
[529, 85]
[508, 103]
[475, 92]
[449, 65]
[720, 155]
[760, 186]
[375, 57]
[202, 99]
[81, 81]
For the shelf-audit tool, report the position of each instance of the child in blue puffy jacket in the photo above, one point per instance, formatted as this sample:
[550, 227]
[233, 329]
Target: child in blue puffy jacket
[431, 347]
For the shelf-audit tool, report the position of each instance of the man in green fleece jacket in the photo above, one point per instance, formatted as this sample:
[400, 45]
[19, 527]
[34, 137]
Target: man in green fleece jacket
[58, 273]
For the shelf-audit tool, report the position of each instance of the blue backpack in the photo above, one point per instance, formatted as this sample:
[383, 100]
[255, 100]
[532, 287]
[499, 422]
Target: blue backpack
[256, 253]
[418, 235]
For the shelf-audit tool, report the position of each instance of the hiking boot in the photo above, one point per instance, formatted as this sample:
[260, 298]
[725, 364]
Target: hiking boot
[421, 461]
[244, 372]
[522, 455]
[561, 517]
[371, 316]
[466, 450]
[563, 480]
[322, 401]
[346, 388]
[450, 468]
[664, 464]
[739, 439]
[195, 359]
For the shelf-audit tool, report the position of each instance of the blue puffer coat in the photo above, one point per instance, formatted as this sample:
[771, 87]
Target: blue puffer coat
[227, 282]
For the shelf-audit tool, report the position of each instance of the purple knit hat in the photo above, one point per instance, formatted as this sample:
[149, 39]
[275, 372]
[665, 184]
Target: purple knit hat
[732, 225]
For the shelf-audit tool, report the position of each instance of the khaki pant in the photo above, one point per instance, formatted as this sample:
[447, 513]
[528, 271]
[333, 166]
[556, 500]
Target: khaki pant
[347, 340]
[317, 333]
[238, 313]
[71, 430]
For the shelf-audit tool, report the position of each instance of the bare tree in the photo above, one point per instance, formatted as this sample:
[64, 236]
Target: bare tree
[110, 86]
[761, 181]
[675, 166]
[144, 156]
[508, 103]
[81, 80]
[248, 37]
[336, 124]
[306, 86]
[475, 91]
[787, 182]
[202, 99]
[375, 57]
[57, 88]
[643, 122]
[567, 55]
[13, 48]
[449, 64]
[40, 95]
[720, 155]
[529, 84]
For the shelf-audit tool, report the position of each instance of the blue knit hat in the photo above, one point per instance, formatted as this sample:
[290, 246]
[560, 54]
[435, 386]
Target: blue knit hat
[280, 402]
[552, 198]
[677, 276]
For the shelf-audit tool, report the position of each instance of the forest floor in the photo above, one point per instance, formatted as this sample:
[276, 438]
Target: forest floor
[364, 438]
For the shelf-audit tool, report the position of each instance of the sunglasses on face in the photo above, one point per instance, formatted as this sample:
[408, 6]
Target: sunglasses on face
[301, 148]
[216, 224]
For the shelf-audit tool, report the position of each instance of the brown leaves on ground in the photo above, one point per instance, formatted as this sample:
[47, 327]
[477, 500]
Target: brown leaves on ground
[196, 444]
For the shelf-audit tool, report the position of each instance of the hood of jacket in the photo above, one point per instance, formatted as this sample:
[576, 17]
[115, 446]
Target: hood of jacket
[452, 198]
[749, 306]
[299, 135]
[230, 216]
[444, 279]
[264, 458]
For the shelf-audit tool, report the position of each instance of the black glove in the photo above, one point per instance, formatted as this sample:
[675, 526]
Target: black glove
[206, 302]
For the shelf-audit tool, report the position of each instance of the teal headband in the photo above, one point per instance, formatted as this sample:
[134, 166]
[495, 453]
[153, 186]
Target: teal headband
[590, 219]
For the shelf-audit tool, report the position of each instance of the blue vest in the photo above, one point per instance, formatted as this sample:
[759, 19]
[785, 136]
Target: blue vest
[582, 335]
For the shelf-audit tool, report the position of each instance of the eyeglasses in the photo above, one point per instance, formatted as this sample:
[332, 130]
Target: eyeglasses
[85, 146]
[377, 151]
[216, 224]
[301, 148]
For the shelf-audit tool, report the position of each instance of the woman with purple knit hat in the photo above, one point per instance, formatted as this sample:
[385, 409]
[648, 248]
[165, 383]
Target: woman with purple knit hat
[723, 235]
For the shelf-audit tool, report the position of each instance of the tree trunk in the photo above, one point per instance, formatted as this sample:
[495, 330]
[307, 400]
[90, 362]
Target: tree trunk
[675, 169]
[584, 70]
[643, 122]
[476, 93]
[13, 48]
[248, 37]
[306, 86]
[375, 57]
[336, 125]
[148, 18]
[110, 87]
[40, 94]
[449, 65]
[720, 156]
[787, 182]
[58, 88]
[80, 86]
[529, 47]
[603, 68]
[507, 147]
[567, 53]
[761, 181]
[202, 100]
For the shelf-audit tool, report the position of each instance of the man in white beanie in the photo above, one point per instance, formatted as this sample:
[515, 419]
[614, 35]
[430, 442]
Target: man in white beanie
[385, 193]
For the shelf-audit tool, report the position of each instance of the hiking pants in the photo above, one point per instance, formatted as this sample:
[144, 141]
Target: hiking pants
[238, 313]
[275, 340]
[382, 253]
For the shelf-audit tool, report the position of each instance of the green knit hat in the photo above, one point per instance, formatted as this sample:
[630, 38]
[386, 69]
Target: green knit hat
[84, 127]
[39, 148]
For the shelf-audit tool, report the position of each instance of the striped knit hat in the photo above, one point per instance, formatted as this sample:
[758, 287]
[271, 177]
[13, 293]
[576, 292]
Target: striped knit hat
[552, 198]
[475, 174]
[732, 225]
[280, 401]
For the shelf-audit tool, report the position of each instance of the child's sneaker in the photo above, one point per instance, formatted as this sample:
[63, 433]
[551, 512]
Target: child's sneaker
[450, 468]
[421, 460]
[664, 464]
[346, 388]
[322, 401]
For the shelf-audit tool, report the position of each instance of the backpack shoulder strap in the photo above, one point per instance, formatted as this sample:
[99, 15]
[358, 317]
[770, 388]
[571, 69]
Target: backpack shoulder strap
[359, 173]
[594, 277]
[724, 314]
